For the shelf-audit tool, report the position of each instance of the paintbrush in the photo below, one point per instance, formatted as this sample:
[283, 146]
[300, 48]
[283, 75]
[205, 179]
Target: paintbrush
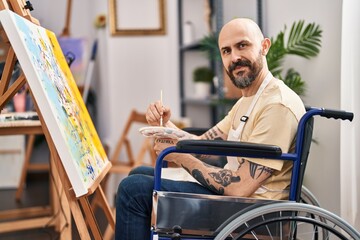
[161, 102]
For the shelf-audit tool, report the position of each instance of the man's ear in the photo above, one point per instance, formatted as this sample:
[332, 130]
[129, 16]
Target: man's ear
[265, 45]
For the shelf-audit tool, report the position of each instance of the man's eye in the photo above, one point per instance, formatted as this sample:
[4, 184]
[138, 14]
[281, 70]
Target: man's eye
[242, 45]
[225, 51]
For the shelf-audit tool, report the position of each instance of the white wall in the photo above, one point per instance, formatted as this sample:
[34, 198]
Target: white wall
[52, 14]
[350, 99]
[132, 70]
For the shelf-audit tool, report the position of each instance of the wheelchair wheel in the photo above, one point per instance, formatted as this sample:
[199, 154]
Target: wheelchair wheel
[308, 197]
[288, 220]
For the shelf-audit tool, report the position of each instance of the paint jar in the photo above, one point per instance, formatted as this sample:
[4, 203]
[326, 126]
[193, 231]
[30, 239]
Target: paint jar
[188, 33]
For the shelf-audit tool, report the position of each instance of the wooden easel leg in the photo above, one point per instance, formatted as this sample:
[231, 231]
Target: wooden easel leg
[99, 201]
[89, 214]
[29, 148]
[75, 208]
[109, 233]
[6, 76]
[12, 90]
[73, 204]
[60, 203]
[106, 208]
[8, 68]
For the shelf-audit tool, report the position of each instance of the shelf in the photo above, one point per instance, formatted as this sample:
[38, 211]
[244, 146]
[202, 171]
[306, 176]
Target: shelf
[191, 46]
[213, 101]
[203, 112]
[198, 101]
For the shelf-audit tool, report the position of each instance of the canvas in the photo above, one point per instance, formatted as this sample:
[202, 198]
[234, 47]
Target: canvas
[58, 99]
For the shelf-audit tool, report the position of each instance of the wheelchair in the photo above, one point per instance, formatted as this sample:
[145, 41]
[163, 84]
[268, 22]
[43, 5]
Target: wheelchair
[198, 216]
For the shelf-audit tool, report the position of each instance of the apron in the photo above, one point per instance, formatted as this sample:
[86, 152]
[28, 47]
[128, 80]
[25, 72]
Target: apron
[234, 135]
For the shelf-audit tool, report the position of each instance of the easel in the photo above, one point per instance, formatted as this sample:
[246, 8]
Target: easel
[27, 166]
[66, 30]
[80, 207]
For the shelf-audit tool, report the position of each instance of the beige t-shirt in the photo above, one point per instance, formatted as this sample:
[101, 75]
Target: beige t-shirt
[274, 120]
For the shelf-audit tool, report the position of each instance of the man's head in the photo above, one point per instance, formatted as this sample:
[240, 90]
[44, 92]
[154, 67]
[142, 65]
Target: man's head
[243, 51]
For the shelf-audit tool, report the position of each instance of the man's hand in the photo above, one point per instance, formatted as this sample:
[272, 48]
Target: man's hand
[162, 143]
[154, 113]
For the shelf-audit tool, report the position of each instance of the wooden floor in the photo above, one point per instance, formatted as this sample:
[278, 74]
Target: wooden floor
[36, 193]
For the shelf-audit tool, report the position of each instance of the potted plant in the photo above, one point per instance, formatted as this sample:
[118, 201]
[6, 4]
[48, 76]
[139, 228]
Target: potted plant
[203, 78]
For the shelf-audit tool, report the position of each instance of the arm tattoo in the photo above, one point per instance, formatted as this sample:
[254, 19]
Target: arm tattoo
[256, 169]
[205, 182]
[241, 162]
[201, 179]
[223, 177]
[169, 141]
[213, 134]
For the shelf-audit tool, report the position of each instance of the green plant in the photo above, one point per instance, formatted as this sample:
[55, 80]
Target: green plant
[302, 41]
[209, 44]
[203, 74]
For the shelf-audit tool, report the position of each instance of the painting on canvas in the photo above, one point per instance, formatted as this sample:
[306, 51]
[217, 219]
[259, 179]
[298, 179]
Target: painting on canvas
[59, 100]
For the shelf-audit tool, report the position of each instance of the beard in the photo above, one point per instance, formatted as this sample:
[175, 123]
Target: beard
[243, 80]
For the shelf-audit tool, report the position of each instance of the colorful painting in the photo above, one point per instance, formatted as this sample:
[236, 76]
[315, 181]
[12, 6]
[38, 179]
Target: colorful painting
[58, 99]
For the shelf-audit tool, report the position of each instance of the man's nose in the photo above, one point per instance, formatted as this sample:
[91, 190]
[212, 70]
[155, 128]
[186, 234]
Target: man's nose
[235, 56]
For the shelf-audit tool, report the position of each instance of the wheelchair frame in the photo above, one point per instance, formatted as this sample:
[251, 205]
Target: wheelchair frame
[299, 157]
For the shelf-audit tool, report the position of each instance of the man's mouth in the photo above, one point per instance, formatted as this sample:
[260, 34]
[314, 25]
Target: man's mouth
[239, 70]
[240, 65]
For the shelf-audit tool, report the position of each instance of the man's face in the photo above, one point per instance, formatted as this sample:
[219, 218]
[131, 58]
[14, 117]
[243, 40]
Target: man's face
[243, 72]
[241, 52]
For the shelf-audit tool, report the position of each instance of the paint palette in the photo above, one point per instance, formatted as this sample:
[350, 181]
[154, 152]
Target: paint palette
[163, 132]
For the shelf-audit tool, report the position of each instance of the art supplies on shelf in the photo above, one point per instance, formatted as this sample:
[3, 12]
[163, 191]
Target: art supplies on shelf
[19, 116]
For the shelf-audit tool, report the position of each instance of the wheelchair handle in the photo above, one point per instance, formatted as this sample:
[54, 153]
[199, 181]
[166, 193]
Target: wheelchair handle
[343, 115]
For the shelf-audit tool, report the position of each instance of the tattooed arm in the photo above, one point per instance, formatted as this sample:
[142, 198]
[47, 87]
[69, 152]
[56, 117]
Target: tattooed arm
[242, 182]
[214, 133]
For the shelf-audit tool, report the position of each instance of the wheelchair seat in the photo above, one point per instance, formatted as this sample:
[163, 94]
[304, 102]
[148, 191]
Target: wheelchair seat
[200, 216]
[179, 212]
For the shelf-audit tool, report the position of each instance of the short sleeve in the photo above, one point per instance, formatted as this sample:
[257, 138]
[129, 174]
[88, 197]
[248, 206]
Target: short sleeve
[275, 125]
[225, 124]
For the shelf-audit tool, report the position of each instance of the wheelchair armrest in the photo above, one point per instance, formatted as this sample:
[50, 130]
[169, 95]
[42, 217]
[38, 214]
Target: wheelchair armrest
[229, 148]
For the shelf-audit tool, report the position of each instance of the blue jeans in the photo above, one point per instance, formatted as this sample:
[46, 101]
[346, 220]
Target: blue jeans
[134, 202]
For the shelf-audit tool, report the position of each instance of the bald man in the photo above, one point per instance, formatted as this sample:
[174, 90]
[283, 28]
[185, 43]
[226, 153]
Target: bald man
[268, 113]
